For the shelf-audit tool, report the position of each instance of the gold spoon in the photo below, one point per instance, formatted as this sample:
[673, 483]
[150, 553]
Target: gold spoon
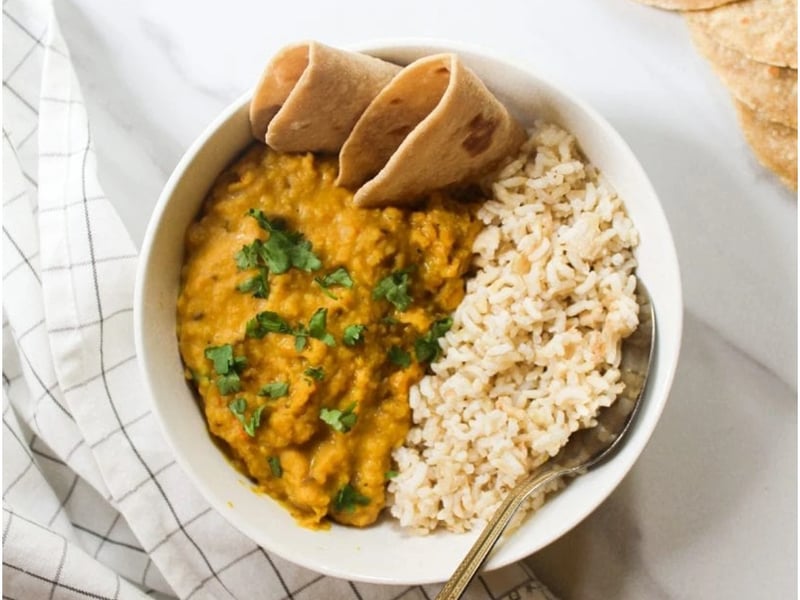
[586, 448]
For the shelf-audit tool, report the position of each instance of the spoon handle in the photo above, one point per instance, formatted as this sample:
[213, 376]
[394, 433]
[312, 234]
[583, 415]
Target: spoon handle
[476, 556]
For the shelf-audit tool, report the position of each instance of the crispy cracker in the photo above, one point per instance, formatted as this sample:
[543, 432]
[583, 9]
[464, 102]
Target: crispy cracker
[774, 145]
[769, 90]
[762, 30]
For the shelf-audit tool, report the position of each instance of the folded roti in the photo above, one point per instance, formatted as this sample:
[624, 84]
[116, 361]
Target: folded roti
[311, 95]
[434, 125]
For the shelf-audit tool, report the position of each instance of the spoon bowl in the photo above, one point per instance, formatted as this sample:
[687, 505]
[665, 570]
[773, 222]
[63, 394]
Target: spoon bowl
[587, 448]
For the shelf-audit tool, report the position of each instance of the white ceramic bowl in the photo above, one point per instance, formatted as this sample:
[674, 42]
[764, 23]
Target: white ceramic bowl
[384, 553]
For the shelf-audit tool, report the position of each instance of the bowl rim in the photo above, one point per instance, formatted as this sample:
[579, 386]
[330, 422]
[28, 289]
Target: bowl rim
[387, 46]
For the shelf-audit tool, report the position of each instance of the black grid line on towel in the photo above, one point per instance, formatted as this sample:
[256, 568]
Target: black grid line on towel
[56, 584]
[24, 257]
[23, 60]
[116, 313]
[28, 32]
[105, 539]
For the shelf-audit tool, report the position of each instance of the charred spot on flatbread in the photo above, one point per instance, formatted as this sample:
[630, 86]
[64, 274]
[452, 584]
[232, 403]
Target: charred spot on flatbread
[479, 137]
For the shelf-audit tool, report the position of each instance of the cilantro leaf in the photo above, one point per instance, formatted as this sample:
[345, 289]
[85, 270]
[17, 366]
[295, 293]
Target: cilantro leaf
[317, 373]
[317, 325]
[390, 474]
[275, 466]
[221, 356]
[248, 256]
[347, 498]
[353, 334]
[427, 347]
[258, 284]
[276, 389]
[227, 367]
[303, 258]
[300, 342]
[238, 408]
[399, 357]
[229, 384]
[266, 322]
[284, 249]
[339, 420]
[394, 288]
[340, 277]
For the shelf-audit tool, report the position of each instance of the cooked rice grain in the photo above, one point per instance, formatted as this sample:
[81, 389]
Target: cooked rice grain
[535, 345]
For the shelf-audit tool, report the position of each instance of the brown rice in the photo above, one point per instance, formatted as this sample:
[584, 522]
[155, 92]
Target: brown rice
[535, 345]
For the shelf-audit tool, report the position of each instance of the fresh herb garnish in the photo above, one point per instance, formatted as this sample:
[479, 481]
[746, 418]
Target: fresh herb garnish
[238, 408]
[394, 288]
[390, 474]
[347, 498]
[284, 249]
[317, 373]
[340, 277]
[389, 320]
[317, 325]
[266, 322]
[275, 466]
[427, 347]
[276, 389]
[399, 357]
[339, 420]
[248, 257]
[271, 322]
[353, 334]
[258, 285]
[227, 367]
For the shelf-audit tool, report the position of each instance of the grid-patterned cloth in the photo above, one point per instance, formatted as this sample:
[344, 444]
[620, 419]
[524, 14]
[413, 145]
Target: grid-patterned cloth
[94, 504]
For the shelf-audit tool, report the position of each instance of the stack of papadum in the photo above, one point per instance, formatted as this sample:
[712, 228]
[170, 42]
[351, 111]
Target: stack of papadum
[752, 46]
[400, 132]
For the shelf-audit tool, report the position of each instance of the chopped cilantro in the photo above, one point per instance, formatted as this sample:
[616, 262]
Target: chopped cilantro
[248, 256]
[389, 321]
[390, 474]
[339, 420]
[317, 325]
[258, 285]
[238, 408]
[275, 466]
[276, 389]
[271, 322]
[394, 288]
[340, 277]
[299, 341]
[347, 498]
[399, 357]
[427, 347]
[284, 249]
[221, 356]
[266, 322]
[227, 367]
[229, 384]
[317, 373]
[353, 334]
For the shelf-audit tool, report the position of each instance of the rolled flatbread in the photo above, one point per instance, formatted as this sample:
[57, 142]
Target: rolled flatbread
[434, 125]
[311, 95]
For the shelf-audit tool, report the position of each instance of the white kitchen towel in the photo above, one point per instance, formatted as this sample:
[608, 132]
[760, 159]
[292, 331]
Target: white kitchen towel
[94, 504]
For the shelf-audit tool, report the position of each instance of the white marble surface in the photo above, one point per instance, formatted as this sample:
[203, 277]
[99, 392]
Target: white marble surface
[709, 511]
